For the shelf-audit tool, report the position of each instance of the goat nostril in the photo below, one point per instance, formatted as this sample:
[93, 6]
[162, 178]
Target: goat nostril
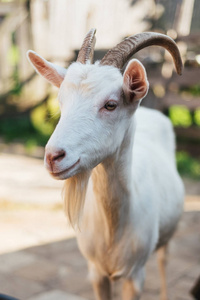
[59, 156]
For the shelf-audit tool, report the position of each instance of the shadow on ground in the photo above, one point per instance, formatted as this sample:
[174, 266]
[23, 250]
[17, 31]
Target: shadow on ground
[58, 271]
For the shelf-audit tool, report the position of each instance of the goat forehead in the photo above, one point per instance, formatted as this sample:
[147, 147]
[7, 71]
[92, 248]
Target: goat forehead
[92, 79]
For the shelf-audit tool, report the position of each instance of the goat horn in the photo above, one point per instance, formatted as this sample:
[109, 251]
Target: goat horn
[87, 49]
[121, 53]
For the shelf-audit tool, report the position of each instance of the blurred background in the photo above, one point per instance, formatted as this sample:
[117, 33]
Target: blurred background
[55, 29]
[30, 201]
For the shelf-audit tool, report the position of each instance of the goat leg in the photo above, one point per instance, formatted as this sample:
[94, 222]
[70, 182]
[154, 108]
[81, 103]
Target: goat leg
[162, 261]
[101, 284]
[132, 287]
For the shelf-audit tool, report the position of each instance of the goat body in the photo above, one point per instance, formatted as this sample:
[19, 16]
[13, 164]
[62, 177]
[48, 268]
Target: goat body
[123, 192]
[134, 200]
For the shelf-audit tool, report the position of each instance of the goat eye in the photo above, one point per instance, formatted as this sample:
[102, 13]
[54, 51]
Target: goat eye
[110, 105]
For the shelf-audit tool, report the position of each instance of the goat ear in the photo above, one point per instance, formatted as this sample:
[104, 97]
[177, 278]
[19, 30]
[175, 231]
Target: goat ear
[54, 74]
[135, 83]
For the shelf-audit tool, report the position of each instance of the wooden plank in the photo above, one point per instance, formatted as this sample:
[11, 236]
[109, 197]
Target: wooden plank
[190, 77]
[192, 38]
[192, 103]
[191, 148]
[192, 132]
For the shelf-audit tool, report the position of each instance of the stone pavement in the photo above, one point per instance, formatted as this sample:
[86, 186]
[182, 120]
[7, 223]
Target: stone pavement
[39, 258]
[30, 204]
[57, 271]
[25, 180]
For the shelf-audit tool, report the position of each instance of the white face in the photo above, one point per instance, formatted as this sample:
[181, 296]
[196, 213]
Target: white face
[93, 120]
[94, 114]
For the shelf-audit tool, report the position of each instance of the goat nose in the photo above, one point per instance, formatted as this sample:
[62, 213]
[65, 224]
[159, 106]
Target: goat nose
[54, 157]
[58, 156]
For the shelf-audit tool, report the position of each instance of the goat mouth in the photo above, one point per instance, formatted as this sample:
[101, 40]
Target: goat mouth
[60, 174]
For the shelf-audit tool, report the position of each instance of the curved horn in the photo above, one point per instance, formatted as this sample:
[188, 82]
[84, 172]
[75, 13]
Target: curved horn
[87, 49]
[121, 53]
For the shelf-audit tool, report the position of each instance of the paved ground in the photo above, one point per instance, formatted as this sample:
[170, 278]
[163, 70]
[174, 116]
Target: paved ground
[30, 204]
[39, 258]
[57, 270]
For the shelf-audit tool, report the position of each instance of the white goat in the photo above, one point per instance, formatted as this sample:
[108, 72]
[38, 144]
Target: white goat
[123, 193]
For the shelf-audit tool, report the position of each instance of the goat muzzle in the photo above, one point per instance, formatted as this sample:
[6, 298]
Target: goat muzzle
[54, 157]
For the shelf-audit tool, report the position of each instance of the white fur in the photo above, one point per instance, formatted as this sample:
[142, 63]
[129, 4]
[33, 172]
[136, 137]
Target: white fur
[130, 194]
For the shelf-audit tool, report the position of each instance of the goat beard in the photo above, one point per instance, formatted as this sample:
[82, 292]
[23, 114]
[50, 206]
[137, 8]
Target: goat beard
[74, 193]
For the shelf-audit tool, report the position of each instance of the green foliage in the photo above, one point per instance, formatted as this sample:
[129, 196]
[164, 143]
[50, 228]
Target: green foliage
[34, 129]
[180, 116]
[30, 144]
[45, 117]
[13, 55]
[197, 116]
[187, 165]
[17, 87]
[194, 90]
[11, 129]
[13, 58]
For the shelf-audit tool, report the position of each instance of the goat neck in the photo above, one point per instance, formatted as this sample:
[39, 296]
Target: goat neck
[111, 187]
